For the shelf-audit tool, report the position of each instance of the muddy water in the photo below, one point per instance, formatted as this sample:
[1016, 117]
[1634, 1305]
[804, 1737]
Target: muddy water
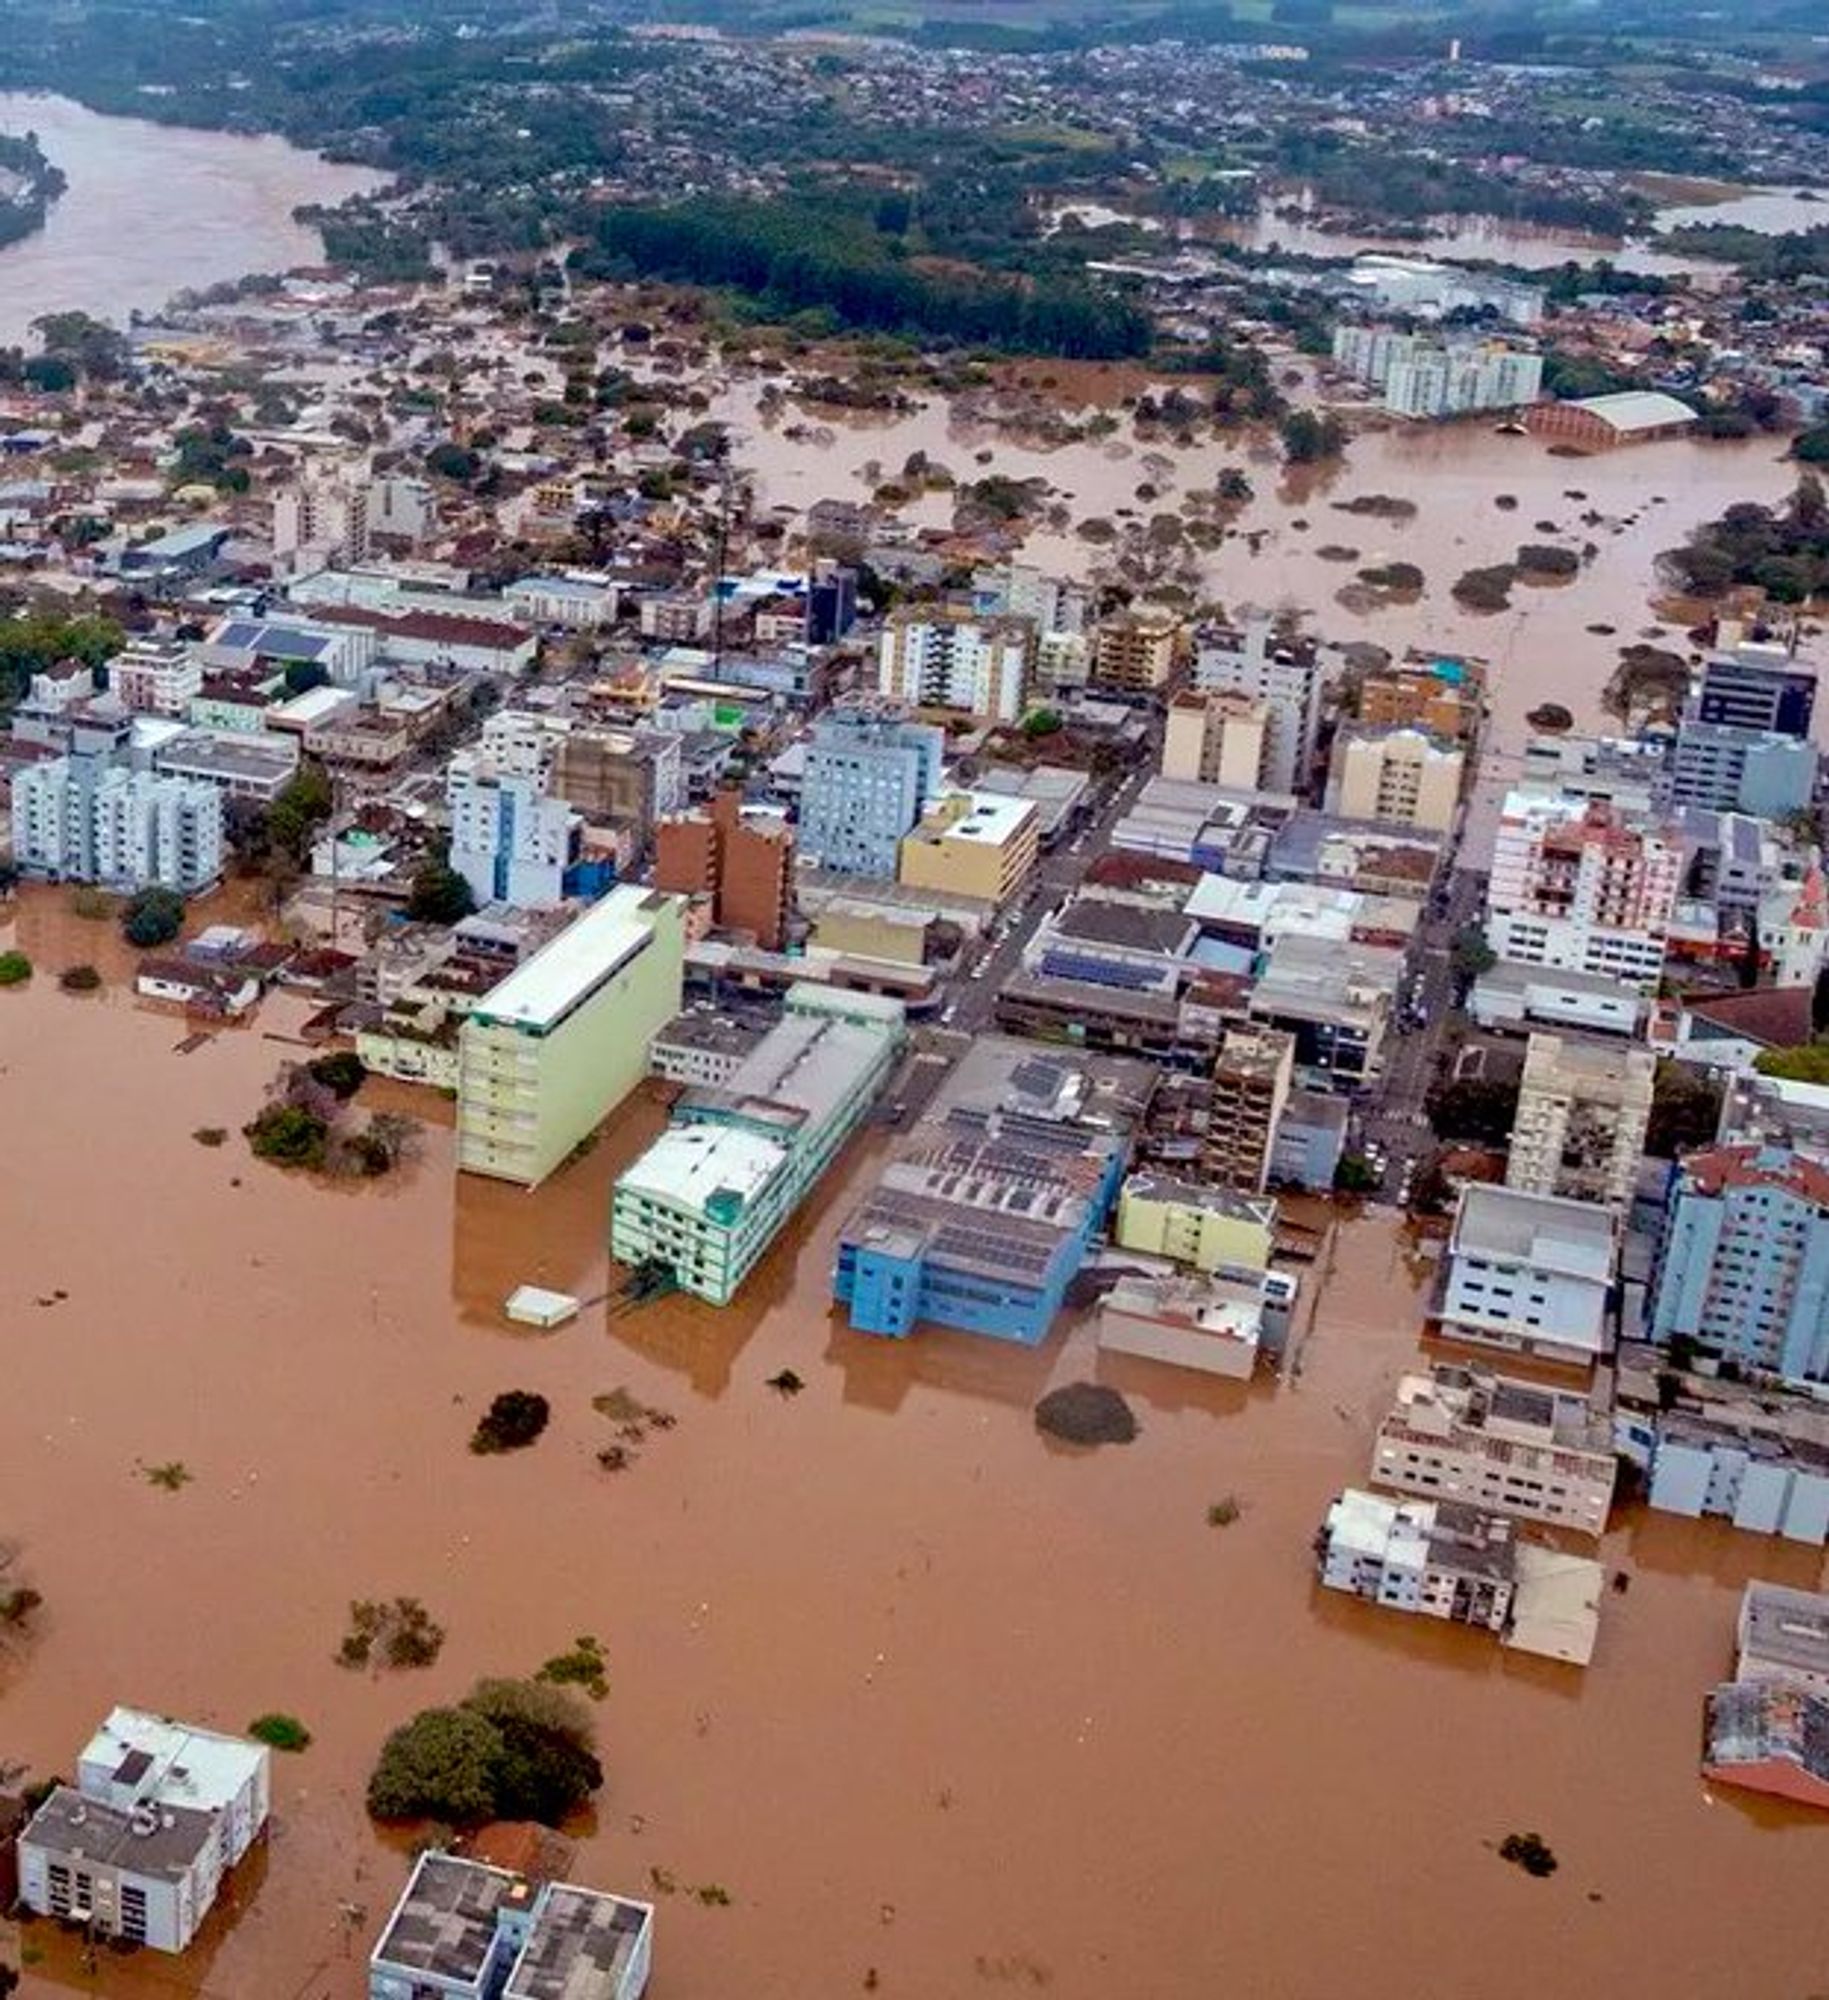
[152, 207]
[923, 1694]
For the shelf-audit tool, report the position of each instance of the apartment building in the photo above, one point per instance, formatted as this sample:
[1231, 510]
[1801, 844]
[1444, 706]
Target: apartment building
[711, 1194]
[465, 1931]
[509, 841]
[1425, 375]
[870, 774]
[973, 844]
[1742, 1271]
[741, 868]
[1221, 737]
[1400, 774]
[1757, 771]
[619, 777]
[1578, 885]
[156, 676]
[137, 1850]
[1137, 652]
[1280, 668]
[1444, 698]
[1530, 1272]
[1020, 590]
[1253, 1075]
[941, 659]
[1767, 1737]
[1583, 1109]
[1758, 687]
[545, 1056]
[1500, 1443]
[1434, 1558]
[86, 819]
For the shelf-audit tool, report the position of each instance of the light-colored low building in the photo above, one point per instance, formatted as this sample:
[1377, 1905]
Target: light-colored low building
[413, 1041]
[1530, 1272]
[710, 1195]
[703, 1047]
[1214, 1325]
[1207, 1228]
[1783, 1635]
[545, 1056]
[974, 844]
[1498, 1442]
[138, 1848]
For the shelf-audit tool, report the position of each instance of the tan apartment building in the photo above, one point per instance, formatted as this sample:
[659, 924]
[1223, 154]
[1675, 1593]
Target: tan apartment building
[1583, 1108]
[742, 868]
[1252, 1077]
[973, 844]
[1219, 738]
[1403, 775]
[1137, 651]
[1501, 1443]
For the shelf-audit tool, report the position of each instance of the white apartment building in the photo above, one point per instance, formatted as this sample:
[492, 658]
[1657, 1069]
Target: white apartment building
[1583, 1109]
[1020, 590]
[1499, 1442]
[137, 1850]
[509, 840]
[1281, 669]
[77, 819]
[1530, 1272]
[1425, 376]
[1218, 738]
[1581, 886]
[156, 676]
[980, 666]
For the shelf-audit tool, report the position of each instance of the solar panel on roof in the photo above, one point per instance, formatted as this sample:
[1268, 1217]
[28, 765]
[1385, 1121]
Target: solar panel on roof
[1100, 972]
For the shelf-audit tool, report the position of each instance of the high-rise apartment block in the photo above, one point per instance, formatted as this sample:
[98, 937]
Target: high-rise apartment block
[85, 819]
[941, 659]
[870, 774]
[1758, 687]
[509, 841]
[545, 1056]
[1252, 1078]
[1282, 669]
[1581, 886]
[1423, 375]
[1742, 1272]
[1221, 737]
[743, 867]
[1403, 774]
[1019, 590]
[1137, 652]
[156, 676]
[1582, 1112]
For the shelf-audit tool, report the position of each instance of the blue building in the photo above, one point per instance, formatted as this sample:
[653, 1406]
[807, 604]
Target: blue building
[1759, 771]
[985, 1214]
[870, 774]
[1758, 687]
[1743, 1268]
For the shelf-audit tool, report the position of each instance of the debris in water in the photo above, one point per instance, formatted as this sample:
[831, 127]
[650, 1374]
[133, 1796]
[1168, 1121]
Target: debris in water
[787, 1383]
[1529, 1852]
[1086, 1413]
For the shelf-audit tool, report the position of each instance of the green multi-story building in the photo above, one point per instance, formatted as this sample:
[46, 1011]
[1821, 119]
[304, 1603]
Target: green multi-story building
[545, 1056]
[713, 1191]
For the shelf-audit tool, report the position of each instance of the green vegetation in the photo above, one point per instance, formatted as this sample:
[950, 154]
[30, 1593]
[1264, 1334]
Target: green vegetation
[1478, 1109]
[171, 1477]
[1487, 588]
[289, 1135]
[440, 895]
[827, 256]
[211, 455]
[1783, 259]
[280, 1731]
[398, 1634]
[40, 639]
[1308, 438]
[37, 184]
[342, 1073]
[1539, 559]
[1529, 1852]
[15, 968]
[1810, 1064]
[509, 1750]
[152, 917]
[1685, 1110]
[1399, 576]
[584, 1666]
[1355, 1175]
[1224, 1512]
[1785, 551]
[512, 1422]
[211, 1136]
[1811, 447]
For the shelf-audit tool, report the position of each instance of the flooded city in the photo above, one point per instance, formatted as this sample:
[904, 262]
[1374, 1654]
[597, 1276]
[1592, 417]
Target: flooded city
[942, 1707]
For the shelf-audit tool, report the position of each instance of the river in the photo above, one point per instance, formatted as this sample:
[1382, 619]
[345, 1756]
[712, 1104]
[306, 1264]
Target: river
[926, 1696]
[152, 209]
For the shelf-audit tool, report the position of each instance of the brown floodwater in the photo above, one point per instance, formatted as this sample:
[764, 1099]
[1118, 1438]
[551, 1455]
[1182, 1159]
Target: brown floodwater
[923, 1693]
[152, 207]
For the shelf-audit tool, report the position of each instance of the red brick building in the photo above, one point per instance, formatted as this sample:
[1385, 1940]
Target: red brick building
[746, 871]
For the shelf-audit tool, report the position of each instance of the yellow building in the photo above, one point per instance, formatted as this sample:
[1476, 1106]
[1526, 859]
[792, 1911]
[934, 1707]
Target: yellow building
[1405, 776]
[1206, 1227]
[872, 930]
[545, 1056]
[1137, 651]
[1220, 738]
[973, 844]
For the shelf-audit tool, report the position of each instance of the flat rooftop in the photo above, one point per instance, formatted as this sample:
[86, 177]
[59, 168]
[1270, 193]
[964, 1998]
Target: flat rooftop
[1572, 1238]
[580, 1947]
[688, 1166]
[1786, 1628]
[445, 1922]
[560, 976]
[161, 1842]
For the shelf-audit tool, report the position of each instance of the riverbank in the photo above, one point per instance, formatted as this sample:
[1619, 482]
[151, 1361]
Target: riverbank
[29, 184]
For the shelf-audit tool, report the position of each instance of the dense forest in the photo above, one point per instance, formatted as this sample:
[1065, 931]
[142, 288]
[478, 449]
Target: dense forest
[29, 183]
[798, 257]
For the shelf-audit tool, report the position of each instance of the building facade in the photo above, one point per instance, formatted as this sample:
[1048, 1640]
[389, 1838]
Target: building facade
[1221, 737]
[1253, 1076]
[743, 868]
[1531, 1273]
[1206, 1228]
[979, 666]
[1433, 1558]
[973, 844]
[1401, 774]
[1136, 652]
[81, 819]
[545, 1056]
[510, 841]
[156, 676]
[869, 776]
[1282, 669]
[1583, 1109]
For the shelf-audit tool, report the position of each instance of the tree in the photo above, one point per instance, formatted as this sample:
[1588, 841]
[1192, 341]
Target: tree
[513, 1420]
[15, 968]
[1685, 1110]
[304, 675]
[1480, 1109]
[1469, 954]
[1355, 1175]
[441, 1765]
[1041, 722]
[341, 1073]
[453, 462]
[153, 917]
[440, 895]
[1819, 1004]
[1309, 438]
[1810, 1064]
[1812, 446]
[509, 1750]
[289, 1135]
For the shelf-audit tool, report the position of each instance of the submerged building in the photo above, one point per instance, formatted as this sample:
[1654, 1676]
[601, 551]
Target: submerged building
[715, 1189]
[984, 1215]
